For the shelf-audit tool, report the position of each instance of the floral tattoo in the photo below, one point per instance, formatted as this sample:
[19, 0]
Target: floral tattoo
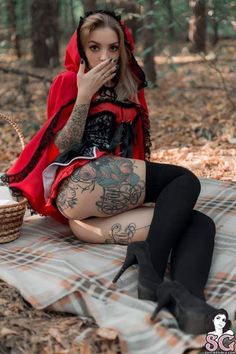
[121, 186]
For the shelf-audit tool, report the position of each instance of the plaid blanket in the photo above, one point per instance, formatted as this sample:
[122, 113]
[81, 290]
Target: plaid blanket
[54, 270]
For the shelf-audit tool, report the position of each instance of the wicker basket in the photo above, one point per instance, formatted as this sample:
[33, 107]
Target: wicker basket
[11, 215]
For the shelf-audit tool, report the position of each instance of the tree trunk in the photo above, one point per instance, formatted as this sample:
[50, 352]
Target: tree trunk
[215, 37]
[89, 5]
[72, 13]
[24, 12]
[171, 29]
[14, 36]
[44, 33]
[65, 19]
[148, 42]
[197, 26]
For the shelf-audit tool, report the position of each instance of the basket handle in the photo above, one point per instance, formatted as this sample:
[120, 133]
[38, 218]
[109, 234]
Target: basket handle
[16, 127]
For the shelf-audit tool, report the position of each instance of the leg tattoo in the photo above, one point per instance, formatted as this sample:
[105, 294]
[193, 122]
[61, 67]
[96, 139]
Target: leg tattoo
[121, 185]
[119, 236]
[67, 196]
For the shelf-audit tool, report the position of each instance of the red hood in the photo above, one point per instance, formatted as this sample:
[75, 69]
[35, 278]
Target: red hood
[72, 57]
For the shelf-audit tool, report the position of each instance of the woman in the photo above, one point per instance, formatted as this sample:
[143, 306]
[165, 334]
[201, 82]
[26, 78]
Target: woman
[89, 166]
[221, 324]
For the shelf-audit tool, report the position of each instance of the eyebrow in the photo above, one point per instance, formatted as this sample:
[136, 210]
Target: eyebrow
[100, 43]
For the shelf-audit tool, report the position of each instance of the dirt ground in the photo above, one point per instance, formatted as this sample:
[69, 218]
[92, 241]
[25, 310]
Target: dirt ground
[193, 123]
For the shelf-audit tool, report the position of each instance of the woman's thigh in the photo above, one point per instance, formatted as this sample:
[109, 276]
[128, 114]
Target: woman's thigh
[104, 187]
[130, 226]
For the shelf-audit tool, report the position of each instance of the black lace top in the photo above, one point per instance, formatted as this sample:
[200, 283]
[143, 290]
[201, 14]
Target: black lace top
[101, 132]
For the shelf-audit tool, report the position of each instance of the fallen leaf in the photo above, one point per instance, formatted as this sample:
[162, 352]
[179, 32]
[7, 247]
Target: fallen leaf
[86, 333]
[58, 350]
[107, 333]
[232, 141]
[56, 335]
[7, 331]
[3, 301]
[85, 348]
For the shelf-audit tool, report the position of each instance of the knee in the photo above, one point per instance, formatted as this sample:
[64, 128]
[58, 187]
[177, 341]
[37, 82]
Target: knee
[194, 182]
[207, 223]
[211, 227]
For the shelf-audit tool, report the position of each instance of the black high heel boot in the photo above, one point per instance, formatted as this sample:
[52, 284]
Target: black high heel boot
[191, 312]
[148, 279]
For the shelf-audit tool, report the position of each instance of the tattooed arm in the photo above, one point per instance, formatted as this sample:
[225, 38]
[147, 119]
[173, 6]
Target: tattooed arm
[89, 83]
[73, 130]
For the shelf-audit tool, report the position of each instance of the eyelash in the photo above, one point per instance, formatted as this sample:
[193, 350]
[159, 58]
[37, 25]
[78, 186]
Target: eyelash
[222, 319]
[95, 46]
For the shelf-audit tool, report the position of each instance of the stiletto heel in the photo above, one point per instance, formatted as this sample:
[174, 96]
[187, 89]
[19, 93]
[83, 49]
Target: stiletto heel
[191, 312]
[148, 280]
[129, 261]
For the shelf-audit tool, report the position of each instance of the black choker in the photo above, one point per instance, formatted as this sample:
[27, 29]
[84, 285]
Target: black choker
[106, 91]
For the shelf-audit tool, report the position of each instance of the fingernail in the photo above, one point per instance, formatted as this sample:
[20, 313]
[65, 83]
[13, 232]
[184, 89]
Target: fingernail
[114, 60]
[110, 60]
[82, 61]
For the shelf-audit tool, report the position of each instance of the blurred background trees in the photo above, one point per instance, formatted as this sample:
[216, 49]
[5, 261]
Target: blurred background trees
[41, 27]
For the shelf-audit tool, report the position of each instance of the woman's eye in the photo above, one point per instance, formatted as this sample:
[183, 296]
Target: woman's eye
[114, 48]
[93, 48]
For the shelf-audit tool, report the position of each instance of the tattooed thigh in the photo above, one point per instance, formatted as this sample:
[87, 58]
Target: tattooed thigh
[132, 225]
[104, 187]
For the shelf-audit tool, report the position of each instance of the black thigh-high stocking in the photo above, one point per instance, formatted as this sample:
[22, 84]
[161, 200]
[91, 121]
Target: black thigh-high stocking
[175, 190]
[191, 256]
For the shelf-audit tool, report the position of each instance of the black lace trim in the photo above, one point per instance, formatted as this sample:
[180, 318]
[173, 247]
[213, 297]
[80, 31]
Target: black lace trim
[106, 91]
[146, 132]
[73, 152]
[45, 140]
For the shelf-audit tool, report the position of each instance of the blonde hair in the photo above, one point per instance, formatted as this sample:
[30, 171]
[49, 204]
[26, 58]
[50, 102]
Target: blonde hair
[127, 85]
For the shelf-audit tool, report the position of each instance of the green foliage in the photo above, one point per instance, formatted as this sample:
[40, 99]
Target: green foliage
[181, 14]
[66, 25]
[193, 83]
[146, 51]
[22, 9]
[223, 11]
[168, 27]
[3, 14]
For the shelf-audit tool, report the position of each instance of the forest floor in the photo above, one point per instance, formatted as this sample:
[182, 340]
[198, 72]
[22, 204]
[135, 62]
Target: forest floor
[193, 124]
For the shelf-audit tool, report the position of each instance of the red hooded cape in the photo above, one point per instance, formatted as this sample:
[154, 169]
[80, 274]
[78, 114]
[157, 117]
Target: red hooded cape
[25, 176]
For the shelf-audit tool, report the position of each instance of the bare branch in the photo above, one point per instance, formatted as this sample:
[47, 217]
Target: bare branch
[25, 73]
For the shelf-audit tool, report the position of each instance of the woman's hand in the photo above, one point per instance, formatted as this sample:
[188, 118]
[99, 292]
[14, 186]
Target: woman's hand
[90, 82]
